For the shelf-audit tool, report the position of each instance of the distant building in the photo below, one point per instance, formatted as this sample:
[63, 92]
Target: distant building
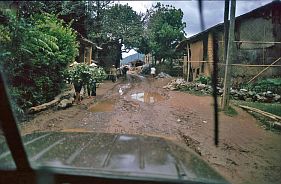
[133, 59]
[257, 38]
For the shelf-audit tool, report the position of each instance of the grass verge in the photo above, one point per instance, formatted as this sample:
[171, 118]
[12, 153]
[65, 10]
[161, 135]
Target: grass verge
[264, 122]
[230, 111]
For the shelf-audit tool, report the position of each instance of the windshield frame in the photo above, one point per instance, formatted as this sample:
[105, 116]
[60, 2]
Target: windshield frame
[10, 129]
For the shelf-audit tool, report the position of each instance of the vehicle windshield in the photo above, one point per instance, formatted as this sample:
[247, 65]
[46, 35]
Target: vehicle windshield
[146, 88]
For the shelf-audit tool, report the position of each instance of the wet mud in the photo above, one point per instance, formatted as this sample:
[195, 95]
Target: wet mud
[246, 152]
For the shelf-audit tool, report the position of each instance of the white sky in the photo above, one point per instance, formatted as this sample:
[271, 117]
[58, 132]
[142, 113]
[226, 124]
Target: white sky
[212, 11]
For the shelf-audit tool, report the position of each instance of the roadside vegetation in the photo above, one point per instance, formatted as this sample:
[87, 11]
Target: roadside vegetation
[83, 72]
[35, 53]
[230, 111]
[39, 40]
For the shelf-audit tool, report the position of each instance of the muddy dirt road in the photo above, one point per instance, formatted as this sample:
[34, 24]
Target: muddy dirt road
[246, 152]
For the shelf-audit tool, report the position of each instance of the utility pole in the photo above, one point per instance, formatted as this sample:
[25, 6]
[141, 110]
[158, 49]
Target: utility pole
[229, 57]
[226, 27]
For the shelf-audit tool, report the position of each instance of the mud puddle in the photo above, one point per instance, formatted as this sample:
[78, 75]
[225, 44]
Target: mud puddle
[103, 106]
[124, 88]
[147, 97]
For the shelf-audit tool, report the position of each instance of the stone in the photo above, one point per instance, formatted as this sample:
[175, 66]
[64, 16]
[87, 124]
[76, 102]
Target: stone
[269, 94]
[261, 98]
[251, 93]
[179, 81]
[65, 103]
[241, 96]
[201, 86]
[220, 91]
[248, 99]
[243, 90]
[163, 75]
[277, 98]
[233, 91]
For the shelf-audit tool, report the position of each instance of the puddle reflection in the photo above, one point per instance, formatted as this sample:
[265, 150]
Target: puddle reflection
[103, 106]
[147, 97]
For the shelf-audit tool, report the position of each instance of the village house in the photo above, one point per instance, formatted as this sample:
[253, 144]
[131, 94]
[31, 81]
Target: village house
[257, 45]
[148, 58]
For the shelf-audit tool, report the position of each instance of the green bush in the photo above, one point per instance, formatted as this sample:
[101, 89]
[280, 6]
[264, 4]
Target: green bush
[84, 73]
[169, 69]
[37, 53]
[204, 79]
[270, 84]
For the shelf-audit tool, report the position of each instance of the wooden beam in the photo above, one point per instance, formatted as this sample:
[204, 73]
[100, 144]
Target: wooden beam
[264, 70]
[253, 42]
[267, 114]
[234, 64]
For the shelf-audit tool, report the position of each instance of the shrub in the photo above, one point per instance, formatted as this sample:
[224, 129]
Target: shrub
[84, 73]
[38, 51]
[204, 79]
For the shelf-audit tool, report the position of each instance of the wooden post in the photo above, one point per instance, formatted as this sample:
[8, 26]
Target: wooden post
[184, 68]
[226, 15]
[90, 54]
[263, 46]
[188, 64]
[229, 57]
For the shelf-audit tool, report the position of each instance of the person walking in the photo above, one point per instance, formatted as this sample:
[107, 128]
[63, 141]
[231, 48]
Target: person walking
[153, 71]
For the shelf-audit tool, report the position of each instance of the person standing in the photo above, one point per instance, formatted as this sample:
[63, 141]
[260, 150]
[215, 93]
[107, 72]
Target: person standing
[153, 71]
[125, 70]
[92, 88]
[77, 87]
[129, 74]
[113, 73]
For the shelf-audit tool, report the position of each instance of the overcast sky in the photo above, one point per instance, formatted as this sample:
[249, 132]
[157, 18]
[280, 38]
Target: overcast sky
[212, 11]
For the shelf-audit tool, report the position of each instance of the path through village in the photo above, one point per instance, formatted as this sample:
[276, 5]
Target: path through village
[246, 153]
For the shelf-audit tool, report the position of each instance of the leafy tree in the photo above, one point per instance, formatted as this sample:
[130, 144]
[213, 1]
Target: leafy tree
[83, 15]
[38, 50]
[164, 30]
[121, 23]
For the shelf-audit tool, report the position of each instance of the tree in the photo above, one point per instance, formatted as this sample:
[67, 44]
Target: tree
[37, 52]
[82, 14]
[164, 30]
[120, 23]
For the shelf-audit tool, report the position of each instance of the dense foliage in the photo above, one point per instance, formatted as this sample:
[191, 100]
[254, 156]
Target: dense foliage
[270, 84]
[121, 22]
[38, 41]
[34, 56]
[86, 74]
[164, 29]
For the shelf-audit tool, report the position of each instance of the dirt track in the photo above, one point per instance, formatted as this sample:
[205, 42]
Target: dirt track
[246, 152]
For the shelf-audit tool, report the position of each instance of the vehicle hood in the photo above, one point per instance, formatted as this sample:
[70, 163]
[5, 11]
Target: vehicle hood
[113, 155]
